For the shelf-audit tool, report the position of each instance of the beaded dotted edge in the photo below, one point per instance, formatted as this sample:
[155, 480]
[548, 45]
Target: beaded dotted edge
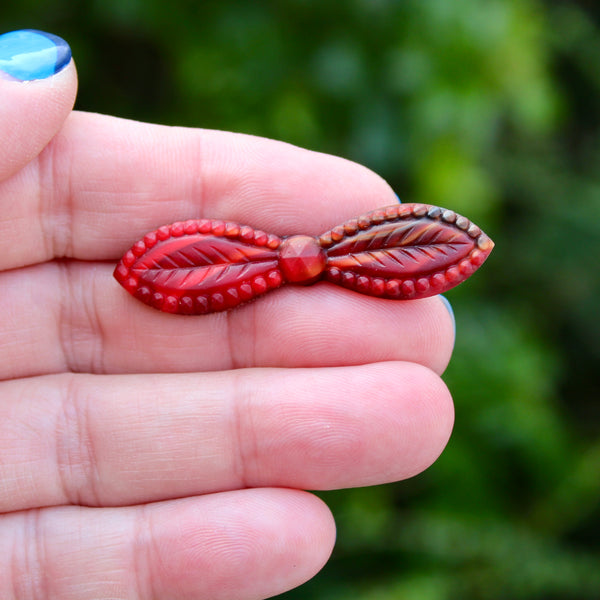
[199, 303]
[418, 287]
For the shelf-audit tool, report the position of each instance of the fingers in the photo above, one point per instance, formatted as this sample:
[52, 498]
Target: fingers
[102, 183]
[250, 544]
[36, 100]
[102, 440]
[75, 317]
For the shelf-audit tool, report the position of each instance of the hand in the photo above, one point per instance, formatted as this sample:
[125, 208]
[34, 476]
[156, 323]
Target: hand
[147, 455]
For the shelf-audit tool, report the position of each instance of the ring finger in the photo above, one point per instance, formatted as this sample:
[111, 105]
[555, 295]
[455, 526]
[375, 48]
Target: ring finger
[66, 439]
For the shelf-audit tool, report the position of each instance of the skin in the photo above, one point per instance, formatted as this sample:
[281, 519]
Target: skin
[146, 455]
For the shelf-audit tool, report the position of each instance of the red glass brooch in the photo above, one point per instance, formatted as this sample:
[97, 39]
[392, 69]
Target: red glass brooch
[405, 251]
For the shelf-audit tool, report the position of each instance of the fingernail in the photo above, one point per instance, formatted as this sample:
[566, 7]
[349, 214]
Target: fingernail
[28, 54]
[399, 201]
[450, 310]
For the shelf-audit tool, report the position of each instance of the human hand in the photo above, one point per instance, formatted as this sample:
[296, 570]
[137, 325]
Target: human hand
[148, 455]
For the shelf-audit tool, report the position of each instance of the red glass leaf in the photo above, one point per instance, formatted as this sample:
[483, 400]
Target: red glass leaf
[199, 272]
[402, 251]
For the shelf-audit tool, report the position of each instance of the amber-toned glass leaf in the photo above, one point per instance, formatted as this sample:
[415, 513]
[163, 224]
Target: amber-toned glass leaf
[405, 251]
[401, 250]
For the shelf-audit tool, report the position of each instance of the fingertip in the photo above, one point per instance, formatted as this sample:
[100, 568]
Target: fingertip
[38, 87]
[315, 530]
[420, 420]
[450, 328]
[450, 310]
[438, 415]
[323, 519]
[439, 344]
[254, 543]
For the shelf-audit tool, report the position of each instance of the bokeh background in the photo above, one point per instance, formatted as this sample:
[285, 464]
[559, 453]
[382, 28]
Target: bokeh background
[491, 108]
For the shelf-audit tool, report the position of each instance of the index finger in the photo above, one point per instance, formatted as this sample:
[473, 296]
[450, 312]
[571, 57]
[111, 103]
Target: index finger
[103, 182]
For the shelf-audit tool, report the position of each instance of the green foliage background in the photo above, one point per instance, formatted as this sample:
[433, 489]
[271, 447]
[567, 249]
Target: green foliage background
[491, 108]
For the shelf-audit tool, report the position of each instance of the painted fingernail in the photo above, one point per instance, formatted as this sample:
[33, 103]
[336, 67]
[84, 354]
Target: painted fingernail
[28, 54]
[450, 310]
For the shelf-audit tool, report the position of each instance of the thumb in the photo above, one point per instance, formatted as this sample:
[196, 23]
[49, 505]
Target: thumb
[38, 84]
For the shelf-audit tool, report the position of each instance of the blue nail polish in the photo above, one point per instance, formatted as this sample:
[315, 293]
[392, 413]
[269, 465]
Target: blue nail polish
[29, 54]
[450, 310]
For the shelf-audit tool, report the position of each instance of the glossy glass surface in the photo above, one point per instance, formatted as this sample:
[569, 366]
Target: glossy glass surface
[405, 251]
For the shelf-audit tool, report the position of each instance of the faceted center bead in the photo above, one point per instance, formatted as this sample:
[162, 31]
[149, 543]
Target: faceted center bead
[301, 259]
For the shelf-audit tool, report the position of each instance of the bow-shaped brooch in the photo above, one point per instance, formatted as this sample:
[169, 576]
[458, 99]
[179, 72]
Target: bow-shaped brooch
[401, 252]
